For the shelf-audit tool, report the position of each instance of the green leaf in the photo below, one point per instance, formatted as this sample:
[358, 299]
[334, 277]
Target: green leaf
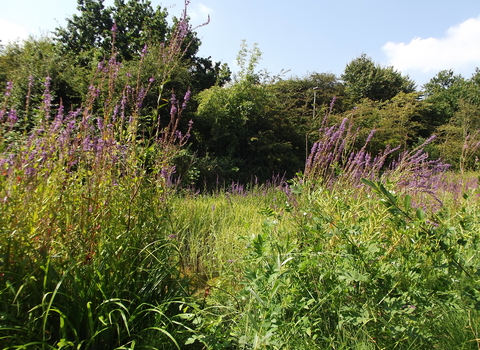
[353, 276]
[420, 214]
[387, 194]
[369, 183]
[407, 202]
[296, 189]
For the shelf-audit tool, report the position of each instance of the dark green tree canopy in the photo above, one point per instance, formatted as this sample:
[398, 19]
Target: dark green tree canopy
[447, 92]
[132, 24]
[441, 82]
[206, 73]
[298, 94]
[365, 79]
[243, 130]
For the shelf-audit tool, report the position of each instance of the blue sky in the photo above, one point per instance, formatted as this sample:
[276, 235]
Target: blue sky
[418, 38]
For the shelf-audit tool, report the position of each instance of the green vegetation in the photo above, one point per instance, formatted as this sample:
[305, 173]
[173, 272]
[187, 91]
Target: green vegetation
[150, 202]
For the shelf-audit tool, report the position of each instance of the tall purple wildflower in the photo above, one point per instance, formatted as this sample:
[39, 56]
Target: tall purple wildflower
[166, 174]
[57, 123]
[415, 172]
[47, 97]
[332, 103]
[12, 118]
[144, 51]
[329, 151]
[186, 98]
[140, 97]
[114, 31]
[8, 90]
[173, 103]
[333, 160]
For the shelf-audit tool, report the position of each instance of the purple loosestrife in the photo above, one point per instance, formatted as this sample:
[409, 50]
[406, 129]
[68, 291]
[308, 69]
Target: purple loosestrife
[114, 31]
[190, 126]
[144, 51]
[173, 103]
[414, 173]
[96, 137]
[140, 97]
[469, 155]
[94, 91]
[124, 102]
[332, 104]
[100, 124]
[30, 171]
[47, 97]
[57, 122]
[238, 189]
[329, 151]
[12, 118]
[8, 90]
[6, 162]
[115, 113]
[333, 160]
[166, 174]
[30, 81]
[186, 98]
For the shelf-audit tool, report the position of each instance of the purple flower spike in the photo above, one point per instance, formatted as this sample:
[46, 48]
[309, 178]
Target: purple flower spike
[144, 51]
[186, 98]
[114, 30]
[12, 118]
[9, 88]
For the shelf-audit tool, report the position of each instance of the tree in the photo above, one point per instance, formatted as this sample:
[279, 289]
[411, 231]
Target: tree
[130, 28]
[242, 131]
[130, 24]
[396, 122]
[476, 76]
[453, 113]
[365, 79]
[206, 73]
[444, 80]
[446, 93]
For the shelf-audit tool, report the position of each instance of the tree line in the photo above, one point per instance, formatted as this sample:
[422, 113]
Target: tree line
[250, 125]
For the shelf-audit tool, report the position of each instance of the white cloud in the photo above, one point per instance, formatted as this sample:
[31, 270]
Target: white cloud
[10, 32]
[458, 49]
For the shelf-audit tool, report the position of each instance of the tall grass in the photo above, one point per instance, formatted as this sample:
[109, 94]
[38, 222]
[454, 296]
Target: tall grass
[85, 259]
[387, 259]
[341, 270]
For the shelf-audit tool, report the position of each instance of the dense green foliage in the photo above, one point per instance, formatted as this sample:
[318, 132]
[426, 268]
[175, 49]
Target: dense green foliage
[365, 79]
[256, 126]
[107, 242]
[134, 24]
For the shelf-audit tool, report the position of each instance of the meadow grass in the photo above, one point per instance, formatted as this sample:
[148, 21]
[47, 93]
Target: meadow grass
[99, 251]
[348, 268]
[121, 263]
